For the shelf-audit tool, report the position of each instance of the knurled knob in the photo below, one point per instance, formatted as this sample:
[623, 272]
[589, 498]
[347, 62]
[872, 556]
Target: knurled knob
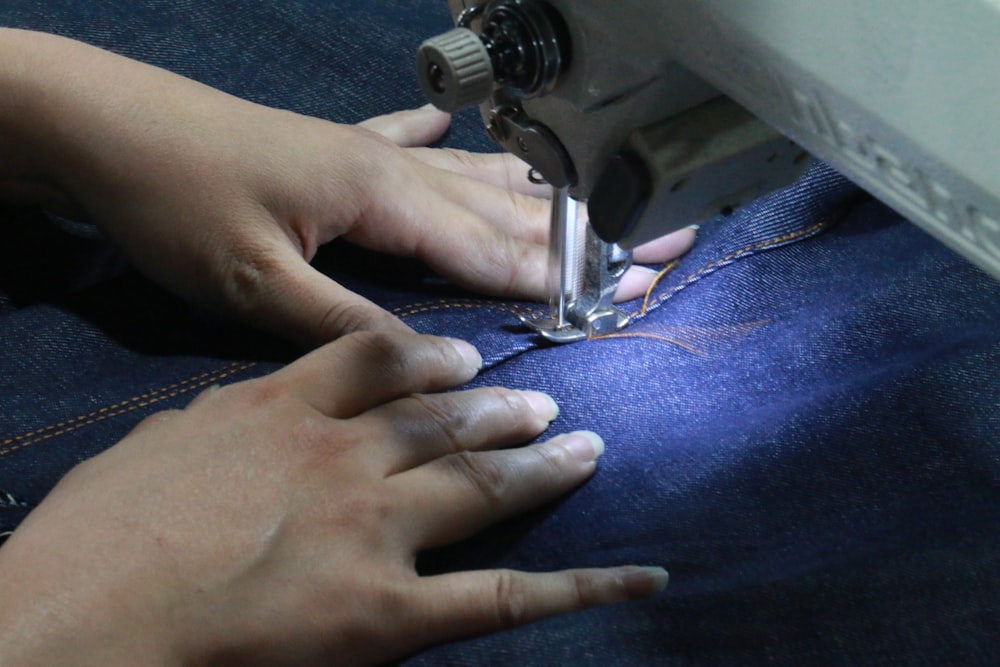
[454, 70]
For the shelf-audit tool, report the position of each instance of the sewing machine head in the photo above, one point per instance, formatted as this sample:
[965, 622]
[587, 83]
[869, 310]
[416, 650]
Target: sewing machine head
[662, 114]
[618, 124]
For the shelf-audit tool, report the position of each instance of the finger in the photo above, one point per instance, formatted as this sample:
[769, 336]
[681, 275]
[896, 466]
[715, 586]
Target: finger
[289, 297]
[464, 604]
[458, 244]
[638, 279]
[518, 215]
[501, 170]
[635, 283]
[457, 496]
[430, 426]
[666, 247]
[366, 369]
[412, 127]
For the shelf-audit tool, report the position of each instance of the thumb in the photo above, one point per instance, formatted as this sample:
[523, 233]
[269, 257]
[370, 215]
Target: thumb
[472, 603]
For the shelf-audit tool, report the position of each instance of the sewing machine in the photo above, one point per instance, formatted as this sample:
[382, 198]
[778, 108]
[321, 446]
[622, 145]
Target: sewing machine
[663, 114]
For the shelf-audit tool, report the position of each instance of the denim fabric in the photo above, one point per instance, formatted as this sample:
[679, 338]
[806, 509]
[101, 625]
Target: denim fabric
[802, 418]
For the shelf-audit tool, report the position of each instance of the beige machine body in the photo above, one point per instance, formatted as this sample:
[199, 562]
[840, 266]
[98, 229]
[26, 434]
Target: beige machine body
[660, 114]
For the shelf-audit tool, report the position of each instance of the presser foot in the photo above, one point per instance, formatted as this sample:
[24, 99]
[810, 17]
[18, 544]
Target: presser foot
[584, 272]
[556, 329]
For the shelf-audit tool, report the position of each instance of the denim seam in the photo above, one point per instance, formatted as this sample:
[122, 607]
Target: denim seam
[648, 302]
[734, 256]
[419, 308]
[122, 407]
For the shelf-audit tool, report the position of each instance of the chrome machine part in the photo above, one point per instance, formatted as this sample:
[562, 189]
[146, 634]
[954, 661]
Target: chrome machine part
[584, 273]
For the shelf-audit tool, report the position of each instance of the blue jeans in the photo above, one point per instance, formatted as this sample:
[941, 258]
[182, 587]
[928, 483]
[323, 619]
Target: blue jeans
[802, 420]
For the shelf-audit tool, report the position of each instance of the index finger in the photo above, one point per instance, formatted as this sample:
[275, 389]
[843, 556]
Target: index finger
[366, 369]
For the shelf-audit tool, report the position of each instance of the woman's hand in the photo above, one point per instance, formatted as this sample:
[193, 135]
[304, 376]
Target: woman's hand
[277, 521]
[225, 202]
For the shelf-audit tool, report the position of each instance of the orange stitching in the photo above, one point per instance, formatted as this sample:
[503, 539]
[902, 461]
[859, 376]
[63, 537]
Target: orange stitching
[112, 406]
[122, 407]
[648, 301]
[728, 258]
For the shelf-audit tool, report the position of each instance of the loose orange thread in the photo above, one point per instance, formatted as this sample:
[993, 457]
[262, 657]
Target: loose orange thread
[659, 337]
[656, 281]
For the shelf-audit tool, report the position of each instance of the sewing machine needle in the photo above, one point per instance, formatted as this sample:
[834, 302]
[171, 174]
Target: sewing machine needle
[563, 254]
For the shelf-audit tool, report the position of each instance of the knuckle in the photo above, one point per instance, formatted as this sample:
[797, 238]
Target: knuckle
[443, 416]
[517, 415]
[370, 640]
[548, 463]
[364, 515]
[313, 436]
[584, 590]
[400, 354]
[344, 318]
[386, 352]
[260, 392]
[511, 597]
[487, 477]
[247, 273]
[512, 402]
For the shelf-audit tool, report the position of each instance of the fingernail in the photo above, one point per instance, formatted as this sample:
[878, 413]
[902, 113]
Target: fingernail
[694, 228]
[645, 269]
[542, 404]
[640, 582]
[469, 354]
[585, 446]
